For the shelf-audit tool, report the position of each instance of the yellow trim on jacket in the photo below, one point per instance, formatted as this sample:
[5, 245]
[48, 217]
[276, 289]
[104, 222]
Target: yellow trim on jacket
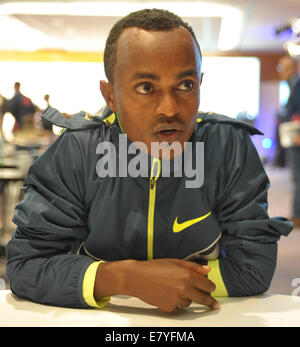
[88, 287]
[215, 276]
[90, 277]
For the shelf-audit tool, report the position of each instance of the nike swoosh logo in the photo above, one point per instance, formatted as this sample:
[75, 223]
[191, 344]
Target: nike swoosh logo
[177, 228]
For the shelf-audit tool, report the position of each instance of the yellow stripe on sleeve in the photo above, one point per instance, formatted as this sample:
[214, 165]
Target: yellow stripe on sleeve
[215, 276]
[88, 287]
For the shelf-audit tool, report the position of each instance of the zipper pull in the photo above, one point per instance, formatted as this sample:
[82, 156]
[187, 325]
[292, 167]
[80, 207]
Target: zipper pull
[152, 182]
[108, 124]
[155, 172]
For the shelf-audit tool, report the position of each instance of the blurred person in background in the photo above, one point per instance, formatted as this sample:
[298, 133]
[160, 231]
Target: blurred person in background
[46, 125]
[19, 106]
[47, 100]
[288, 70]
[3, 110]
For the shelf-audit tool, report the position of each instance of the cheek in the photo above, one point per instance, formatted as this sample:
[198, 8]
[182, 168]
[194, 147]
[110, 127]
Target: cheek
[190, 104]
[134, 111]
[131, 117]
[189, 111]
[130, 103]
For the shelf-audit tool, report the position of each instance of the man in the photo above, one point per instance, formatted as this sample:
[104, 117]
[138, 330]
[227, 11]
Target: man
[20, 106]
[46, 125]
[288, 70]
[3, 110]
[83, 236]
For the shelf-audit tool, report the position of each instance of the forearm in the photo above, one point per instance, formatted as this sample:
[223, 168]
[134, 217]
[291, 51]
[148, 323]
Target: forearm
[114, 278]
[165, 283]
[248, 267]
[54, 280]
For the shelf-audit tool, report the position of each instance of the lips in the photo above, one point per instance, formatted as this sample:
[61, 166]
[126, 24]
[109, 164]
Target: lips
[169, 133]
[168, 128]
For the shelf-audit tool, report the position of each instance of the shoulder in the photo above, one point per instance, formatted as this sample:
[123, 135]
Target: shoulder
[78, 121]
[213, 122]
[82, 123]
[225, 138]
[80, 134]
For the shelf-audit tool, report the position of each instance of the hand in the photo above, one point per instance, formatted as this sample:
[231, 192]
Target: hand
[165, 283]
[169, 283]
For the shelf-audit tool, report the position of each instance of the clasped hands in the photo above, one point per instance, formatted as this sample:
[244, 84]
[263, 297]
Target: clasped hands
[166, 283]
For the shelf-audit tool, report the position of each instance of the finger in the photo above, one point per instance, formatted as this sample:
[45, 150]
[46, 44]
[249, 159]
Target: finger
[202, 298]
[203, 283]
[185, 303]
[201, 269]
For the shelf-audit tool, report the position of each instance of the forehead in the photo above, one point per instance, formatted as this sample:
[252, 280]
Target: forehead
[138, 48]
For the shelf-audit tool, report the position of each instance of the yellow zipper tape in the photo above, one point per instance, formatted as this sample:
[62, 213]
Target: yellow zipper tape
[152, 194]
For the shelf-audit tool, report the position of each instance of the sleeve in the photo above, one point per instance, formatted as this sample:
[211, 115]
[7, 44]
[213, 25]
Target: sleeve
[248, 244]
[88, 287]
[42, 260]
[216, 277]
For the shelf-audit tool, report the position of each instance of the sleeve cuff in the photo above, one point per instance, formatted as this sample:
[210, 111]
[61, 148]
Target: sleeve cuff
[215, 276]
[88, 287]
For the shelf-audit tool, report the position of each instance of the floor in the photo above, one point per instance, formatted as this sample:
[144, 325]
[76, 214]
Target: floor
[287, 274]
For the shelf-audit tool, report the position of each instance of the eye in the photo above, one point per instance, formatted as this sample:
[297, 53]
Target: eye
[144, 88]
[187, 85]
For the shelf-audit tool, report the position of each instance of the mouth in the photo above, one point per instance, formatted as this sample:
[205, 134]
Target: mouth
[168, 131]
[168, 134]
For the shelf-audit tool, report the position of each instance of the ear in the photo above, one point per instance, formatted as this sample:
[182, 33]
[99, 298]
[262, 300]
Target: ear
[108, 94]
[201, 79]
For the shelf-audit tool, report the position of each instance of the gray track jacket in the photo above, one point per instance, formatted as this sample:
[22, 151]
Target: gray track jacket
[71, 217]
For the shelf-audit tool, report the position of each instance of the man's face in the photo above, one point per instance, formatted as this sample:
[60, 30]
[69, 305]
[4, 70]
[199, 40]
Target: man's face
[286, 68]
[156, 85]
[17, 87]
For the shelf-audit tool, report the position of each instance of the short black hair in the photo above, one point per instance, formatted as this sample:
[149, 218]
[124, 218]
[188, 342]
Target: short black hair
[148, 19]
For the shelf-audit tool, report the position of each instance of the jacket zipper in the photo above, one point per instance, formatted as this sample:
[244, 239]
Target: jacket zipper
[155, 172]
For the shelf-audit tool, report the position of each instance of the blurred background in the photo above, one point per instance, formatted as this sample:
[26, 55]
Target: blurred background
[51, 54]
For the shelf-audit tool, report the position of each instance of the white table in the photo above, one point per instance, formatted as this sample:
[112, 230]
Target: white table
[262, 310]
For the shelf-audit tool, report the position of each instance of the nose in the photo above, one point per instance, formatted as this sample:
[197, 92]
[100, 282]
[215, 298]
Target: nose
[167, 105]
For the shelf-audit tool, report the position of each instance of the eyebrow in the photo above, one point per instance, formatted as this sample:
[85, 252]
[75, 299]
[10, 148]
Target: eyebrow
[147, 75]
[187, 73]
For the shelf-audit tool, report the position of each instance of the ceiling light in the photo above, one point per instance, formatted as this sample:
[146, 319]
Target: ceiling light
[33, 39]
[231, 25]
[296, 25]
[293, 48]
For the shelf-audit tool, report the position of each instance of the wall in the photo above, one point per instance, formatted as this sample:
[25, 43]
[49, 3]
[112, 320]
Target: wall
[269, 100]
[269, 87]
